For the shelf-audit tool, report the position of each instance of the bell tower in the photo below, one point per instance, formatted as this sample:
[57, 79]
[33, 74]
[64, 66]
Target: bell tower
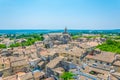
[65, 30]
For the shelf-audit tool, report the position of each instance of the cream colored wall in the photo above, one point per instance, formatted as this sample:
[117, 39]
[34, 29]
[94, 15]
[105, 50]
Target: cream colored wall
[1, 78]
[92, 61]
[73, 57]
[6, 72]
[117, 68]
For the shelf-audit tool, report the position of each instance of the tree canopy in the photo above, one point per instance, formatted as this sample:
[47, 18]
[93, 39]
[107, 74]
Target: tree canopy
[111, 46]
[30, 39]
[2, 46]
[67, 75]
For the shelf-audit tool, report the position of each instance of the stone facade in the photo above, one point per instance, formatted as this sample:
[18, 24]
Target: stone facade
[56, 38]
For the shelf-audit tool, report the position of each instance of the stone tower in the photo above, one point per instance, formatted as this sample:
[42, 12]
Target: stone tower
[65, 30]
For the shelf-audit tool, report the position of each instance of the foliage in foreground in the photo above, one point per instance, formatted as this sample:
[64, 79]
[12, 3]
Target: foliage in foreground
[110, 46]
[2, 46]
[67, 75]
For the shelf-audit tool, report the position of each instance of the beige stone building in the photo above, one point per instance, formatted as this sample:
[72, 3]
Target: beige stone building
[103, 64]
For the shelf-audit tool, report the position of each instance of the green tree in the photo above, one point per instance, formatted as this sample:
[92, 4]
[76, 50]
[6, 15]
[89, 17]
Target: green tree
[67, 75]
[15, 45]
[31, 39]
[110, 46]
[2, 46]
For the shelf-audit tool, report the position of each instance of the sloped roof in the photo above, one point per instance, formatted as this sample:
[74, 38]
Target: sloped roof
[13, 77]
[103, 56]
[50, 78]
[117, 63]
[54, 62]
[26, 76]
[38, 74]
[19, 63]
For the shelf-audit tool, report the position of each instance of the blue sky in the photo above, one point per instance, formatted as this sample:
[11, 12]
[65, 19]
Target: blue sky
[56, 14]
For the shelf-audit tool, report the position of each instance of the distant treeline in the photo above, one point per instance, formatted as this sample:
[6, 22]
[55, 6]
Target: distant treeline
[117, 31]
[30, 39]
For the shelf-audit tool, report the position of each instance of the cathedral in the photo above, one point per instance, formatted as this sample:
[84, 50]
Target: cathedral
[56, 38]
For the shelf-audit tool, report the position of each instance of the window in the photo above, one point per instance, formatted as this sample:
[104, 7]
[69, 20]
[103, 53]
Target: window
[95, 61]
[107, 64]
[101, 62]
[94, 65]
[77, 57]
[88, 60]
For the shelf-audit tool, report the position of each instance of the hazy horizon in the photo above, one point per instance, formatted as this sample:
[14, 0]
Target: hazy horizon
[59, 29]
[56, 14]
